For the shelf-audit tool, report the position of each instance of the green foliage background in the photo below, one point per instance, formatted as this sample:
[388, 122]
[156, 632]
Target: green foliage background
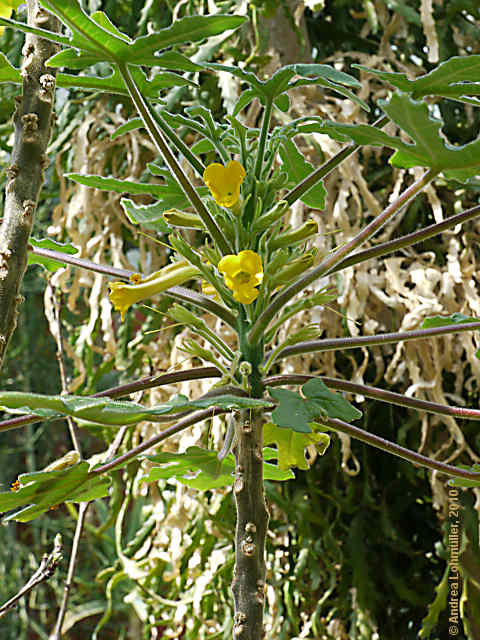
[349, 556]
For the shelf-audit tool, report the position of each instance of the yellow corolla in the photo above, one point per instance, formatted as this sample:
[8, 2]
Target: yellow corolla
[224, 182]
[242, 272]
[123, 295]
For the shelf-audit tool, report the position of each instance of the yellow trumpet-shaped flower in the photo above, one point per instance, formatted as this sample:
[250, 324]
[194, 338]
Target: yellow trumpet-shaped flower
[224, 182]
[123, 295]
[242, 273]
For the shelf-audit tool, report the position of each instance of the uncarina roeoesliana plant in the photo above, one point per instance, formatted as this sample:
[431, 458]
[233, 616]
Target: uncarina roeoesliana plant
[254, 269]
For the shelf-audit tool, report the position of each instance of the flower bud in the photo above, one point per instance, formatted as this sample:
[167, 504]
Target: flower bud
[291, 238]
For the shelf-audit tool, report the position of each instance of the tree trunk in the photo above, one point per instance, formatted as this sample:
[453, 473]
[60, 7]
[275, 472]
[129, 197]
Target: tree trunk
[248, 585]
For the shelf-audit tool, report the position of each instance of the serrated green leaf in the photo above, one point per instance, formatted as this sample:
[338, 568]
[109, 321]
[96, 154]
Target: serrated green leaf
[200, 468]
[291, 445]
[297, 413]
[114, 83]
[186, 30]
[455, 78]
[444, 321]
[45, 489]
[150, 216]
[429, 148]
[8, 73]
[51, 264]
[113, 413]
[88, 34]
[117, 185]
[435, 609]
[333, 404]
[297, 169]
[326, 72]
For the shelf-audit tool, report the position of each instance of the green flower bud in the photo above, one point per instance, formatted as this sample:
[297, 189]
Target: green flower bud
[178, 218]
[290, 238]
[267, 219]
[290, 271]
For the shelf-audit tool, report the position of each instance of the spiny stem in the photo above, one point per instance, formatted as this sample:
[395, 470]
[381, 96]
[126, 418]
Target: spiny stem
[155, 132]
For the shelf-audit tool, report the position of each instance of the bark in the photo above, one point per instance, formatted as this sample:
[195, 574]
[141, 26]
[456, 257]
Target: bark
[248, 585]
[33, 123]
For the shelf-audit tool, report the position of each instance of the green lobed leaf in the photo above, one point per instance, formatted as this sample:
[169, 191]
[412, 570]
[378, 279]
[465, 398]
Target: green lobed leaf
[326, 72]
[108, 412]
[8, 73]
[42, 490]
[429, 148]
[200, 468]
[444, 321]
[186, 30]
[297, 169]
[87, 33]
[436, 607]
[297, 412]
[291, 445]
[150, 216]
[454, 78]
[51, 264]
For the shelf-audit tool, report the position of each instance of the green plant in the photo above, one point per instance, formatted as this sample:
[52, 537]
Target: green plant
[255, 264]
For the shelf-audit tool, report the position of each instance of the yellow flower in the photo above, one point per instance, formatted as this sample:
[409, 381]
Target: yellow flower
[123, 295]
[224, 182]
[242, 273]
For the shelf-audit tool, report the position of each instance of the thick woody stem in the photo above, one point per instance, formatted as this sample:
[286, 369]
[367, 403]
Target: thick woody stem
[248, 585]
[33, 123]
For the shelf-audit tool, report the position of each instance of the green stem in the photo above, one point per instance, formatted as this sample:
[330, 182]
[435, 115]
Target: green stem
[326, 168]
[157, 136]
[267, 114]
[330, 261]
[180, 145]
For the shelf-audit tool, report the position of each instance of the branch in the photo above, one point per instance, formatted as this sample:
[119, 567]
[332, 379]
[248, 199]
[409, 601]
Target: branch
[378, 394]
[122, 460]
[410, 239]
[25, 175]
[124, 390]
[47, 568]
[397, 450]
[369, 341]
[178, 293]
